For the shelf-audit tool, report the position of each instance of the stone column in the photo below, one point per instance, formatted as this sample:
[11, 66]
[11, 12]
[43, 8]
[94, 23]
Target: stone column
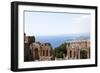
[48, 53]
[78, 53]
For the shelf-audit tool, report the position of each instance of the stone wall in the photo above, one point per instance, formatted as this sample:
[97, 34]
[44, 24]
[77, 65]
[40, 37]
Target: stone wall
[79, 49]
[41, 51]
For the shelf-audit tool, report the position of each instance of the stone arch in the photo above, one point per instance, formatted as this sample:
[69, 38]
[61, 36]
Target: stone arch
[36, 54]
[83, 54]
[36, 51]
[70, 53]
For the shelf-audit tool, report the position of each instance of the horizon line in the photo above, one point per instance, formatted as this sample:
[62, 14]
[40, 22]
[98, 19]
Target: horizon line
[58, 34]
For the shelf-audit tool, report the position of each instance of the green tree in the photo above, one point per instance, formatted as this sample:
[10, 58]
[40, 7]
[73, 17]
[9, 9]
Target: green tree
[60, 51]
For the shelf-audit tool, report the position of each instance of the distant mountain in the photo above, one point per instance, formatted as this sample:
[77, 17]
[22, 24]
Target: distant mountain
[79, 36]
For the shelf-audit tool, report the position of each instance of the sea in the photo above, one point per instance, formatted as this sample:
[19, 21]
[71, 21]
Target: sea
[56, 41]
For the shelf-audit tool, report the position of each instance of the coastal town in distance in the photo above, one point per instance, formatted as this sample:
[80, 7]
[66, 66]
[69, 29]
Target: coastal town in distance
[68, 50]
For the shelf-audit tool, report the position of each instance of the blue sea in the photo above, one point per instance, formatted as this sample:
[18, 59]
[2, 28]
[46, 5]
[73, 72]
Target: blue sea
[56, 41]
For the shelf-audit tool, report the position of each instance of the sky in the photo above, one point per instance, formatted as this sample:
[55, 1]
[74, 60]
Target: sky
[53, 23]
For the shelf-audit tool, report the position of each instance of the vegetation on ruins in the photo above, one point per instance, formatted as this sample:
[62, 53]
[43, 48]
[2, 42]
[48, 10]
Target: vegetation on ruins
[61, 51]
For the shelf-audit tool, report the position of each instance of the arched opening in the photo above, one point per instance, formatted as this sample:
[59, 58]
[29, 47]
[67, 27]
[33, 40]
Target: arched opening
[83, 54]
[36, 54]
[70, 54]
[46, 52]
[74, 54]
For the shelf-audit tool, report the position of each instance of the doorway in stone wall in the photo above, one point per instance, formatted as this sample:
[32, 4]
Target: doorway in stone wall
[36, 54]
[83, 54]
